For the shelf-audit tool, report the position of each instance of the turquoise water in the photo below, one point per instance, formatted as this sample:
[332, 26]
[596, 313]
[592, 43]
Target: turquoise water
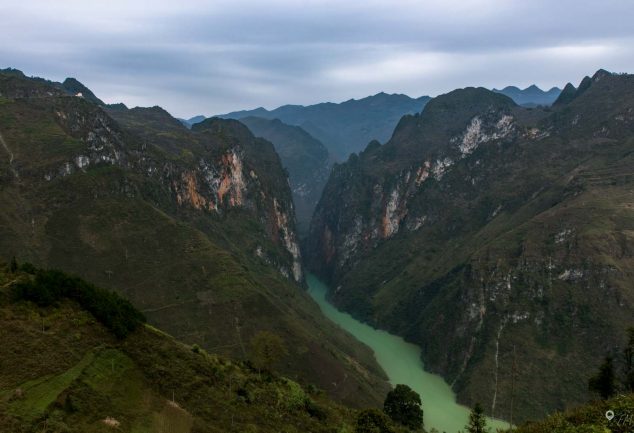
[401, 362]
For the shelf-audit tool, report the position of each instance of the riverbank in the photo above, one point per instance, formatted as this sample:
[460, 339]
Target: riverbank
[402, 363]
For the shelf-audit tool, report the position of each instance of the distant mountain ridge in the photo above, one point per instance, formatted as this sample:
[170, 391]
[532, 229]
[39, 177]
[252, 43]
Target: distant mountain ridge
[345, 127]
[531, 96]
[304, 157]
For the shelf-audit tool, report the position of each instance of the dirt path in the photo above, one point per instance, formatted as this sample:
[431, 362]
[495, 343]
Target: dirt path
[4, 144]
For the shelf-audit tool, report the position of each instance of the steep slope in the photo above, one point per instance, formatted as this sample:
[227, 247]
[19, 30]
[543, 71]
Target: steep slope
[64, 371]
[532, 96]
[491, 234]
[196, 228]
[306, 159]
[347, 127]
[588, 418]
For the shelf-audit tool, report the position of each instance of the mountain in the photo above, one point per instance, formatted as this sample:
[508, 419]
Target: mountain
[63, 370]
[532, 96]
[195, 227]
[347, 127]
[306, 159]
[189, 122]
[74, 87]
[498, 238]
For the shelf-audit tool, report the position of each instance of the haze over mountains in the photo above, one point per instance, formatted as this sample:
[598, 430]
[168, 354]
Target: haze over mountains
[531, 96]
[349, 126]
[306, 159]
[346, 127]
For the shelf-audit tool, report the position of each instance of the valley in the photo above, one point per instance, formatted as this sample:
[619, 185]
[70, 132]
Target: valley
[497, 227]
[460, 255]
[402, 363]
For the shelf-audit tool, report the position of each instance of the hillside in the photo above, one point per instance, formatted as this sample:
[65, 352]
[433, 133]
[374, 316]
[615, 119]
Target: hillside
[306, 159]
[588, 418]
[346, 127]
[62, 370]
[491, 234]
[195, 227]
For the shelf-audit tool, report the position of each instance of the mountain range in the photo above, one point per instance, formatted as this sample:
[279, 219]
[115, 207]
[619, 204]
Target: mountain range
[345, 127]
[493, 229]
[348, 127]
[195, 227]
[531, 96]
[496, 237]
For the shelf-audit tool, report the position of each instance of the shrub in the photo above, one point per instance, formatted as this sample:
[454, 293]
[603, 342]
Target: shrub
[372, 421]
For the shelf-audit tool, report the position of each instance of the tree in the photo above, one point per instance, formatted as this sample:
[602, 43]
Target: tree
[628, 354]
[13, 267]
[477, 421]
[372, 421]
[603, 382]
[403, 405]
[266, 349]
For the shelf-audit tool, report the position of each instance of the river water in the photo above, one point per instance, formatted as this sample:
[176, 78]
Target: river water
[401, 362]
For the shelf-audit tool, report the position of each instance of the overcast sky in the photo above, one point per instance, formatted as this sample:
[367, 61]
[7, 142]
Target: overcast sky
[210, 57]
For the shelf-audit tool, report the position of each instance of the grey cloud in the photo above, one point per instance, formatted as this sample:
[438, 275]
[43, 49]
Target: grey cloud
[216, 56]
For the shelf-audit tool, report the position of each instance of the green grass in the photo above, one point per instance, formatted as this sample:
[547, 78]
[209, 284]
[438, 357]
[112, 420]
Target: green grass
[41, 392]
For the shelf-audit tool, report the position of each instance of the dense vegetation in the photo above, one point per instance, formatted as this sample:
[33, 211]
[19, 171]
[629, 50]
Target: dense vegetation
[403, 405]
[49, 287]
[589, 418]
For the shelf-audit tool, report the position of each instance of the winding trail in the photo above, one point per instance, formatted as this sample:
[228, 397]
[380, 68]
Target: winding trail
[6, 147]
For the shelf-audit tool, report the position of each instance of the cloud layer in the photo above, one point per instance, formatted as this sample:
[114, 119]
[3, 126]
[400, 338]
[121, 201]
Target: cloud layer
[216, 56]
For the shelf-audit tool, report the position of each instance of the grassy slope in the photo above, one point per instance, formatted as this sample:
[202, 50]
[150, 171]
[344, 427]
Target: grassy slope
[62, 369]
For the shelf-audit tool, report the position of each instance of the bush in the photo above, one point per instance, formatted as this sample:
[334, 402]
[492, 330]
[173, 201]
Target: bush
[50, 286]
[372, 421]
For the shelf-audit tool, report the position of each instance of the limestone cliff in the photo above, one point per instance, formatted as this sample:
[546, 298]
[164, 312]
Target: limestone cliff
[492, 234]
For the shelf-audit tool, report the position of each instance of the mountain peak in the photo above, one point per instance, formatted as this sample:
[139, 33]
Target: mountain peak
[73, 86]
[566, 95]
[601, 73]
[530, 96]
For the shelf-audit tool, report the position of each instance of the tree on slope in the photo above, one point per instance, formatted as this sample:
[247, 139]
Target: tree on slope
[604, 381]
[477, 420]
[403, 405]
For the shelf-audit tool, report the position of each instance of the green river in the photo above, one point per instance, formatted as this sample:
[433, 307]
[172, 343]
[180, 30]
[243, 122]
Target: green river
[402, 364]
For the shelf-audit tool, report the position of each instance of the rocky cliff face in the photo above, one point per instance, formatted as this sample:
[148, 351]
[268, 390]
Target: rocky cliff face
[492, 235]
[196, 227]
[305, 158]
